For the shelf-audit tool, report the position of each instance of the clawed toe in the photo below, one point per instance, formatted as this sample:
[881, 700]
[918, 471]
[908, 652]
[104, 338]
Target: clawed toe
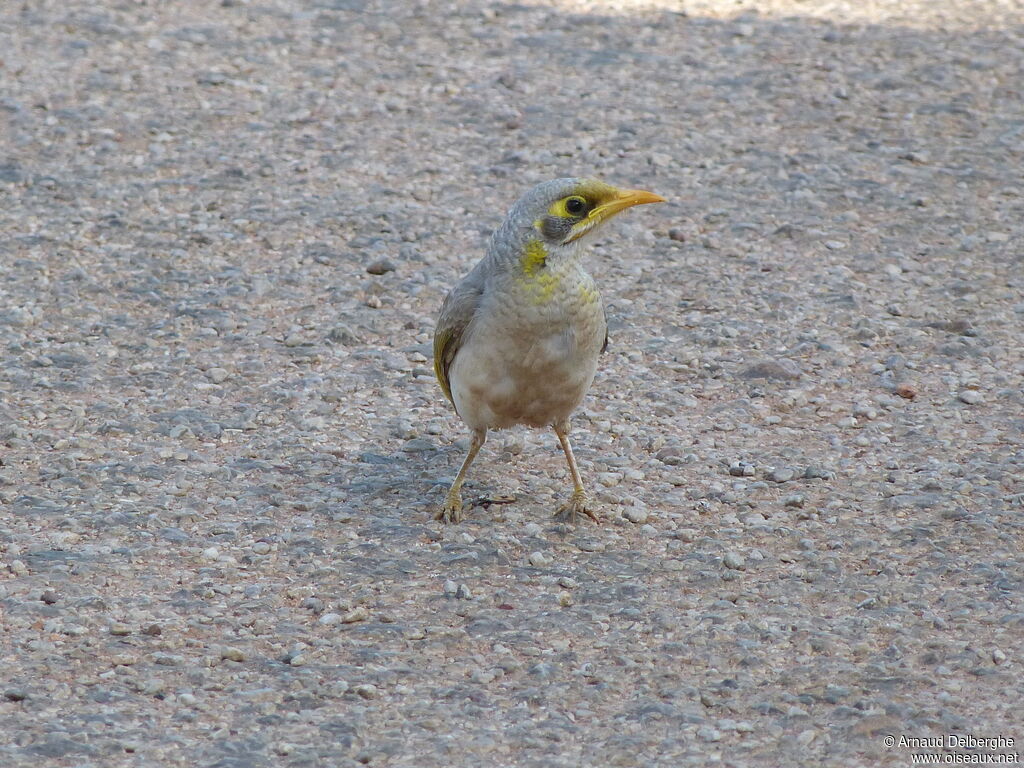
[450, 511]
[578, 506]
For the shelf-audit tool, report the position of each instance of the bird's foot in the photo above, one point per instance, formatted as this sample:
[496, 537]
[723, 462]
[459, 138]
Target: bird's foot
[576, 507]
[451, 510]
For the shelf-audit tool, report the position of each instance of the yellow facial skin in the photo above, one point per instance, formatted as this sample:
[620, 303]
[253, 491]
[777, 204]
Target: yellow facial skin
[560, 208]
[609, 203]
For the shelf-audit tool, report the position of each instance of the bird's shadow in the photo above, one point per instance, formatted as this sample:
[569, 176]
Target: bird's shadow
[411, 478]
[417, 480]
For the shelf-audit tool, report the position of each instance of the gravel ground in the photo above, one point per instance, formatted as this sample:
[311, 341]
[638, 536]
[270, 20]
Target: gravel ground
[226, 230]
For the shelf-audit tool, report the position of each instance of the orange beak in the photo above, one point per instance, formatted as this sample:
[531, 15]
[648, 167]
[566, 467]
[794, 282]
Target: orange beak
[619, 201]
[623, 199]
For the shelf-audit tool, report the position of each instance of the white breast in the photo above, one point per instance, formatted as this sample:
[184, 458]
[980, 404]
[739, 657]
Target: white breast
[536, 376]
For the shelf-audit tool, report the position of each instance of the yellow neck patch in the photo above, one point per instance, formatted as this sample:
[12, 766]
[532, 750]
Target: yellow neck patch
[539, 282]
[535, 256]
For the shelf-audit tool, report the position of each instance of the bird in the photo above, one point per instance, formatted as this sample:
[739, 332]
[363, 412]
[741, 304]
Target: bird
[517, 340]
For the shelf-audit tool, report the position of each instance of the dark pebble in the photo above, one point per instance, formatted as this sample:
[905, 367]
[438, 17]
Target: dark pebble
[381, 266]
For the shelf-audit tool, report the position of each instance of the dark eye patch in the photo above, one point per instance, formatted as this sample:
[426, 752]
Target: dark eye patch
[555, 228]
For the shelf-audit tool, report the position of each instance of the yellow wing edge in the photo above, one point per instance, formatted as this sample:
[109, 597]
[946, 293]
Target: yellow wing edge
[441, 341]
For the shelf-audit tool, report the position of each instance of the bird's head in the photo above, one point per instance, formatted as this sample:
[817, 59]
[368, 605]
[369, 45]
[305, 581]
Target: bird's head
[554, 217]
[565, 211]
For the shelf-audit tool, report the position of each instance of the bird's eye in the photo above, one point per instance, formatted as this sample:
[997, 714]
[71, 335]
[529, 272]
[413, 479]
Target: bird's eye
[575, 205]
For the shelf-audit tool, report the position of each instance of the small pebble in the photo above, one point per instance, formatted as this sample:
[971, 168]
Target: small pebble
[637, 515]
[813, 472]
[232, 653]
[539, 560]
[734, 561]
[742, 469]
[781, 369]
[707, 733]
[865, 411]
[359, 613]
[380, 267]
[906, 391]
[153, 686]
[971, 397]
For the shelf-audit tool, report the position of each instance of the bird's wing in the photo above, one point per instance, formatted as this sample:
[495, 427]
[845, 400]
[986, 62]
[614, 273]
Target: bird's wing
[456, 314]
[604, 311]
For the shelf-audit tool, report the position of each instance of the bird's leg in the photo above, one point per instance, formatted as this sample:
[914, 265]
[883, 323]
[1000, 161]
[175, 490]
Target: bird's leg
[451, 509]
[578, 503]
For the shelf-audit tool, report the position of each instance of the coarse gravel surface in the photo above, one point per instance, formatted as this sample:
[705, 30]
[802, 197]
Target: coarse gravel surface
[225, 232]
